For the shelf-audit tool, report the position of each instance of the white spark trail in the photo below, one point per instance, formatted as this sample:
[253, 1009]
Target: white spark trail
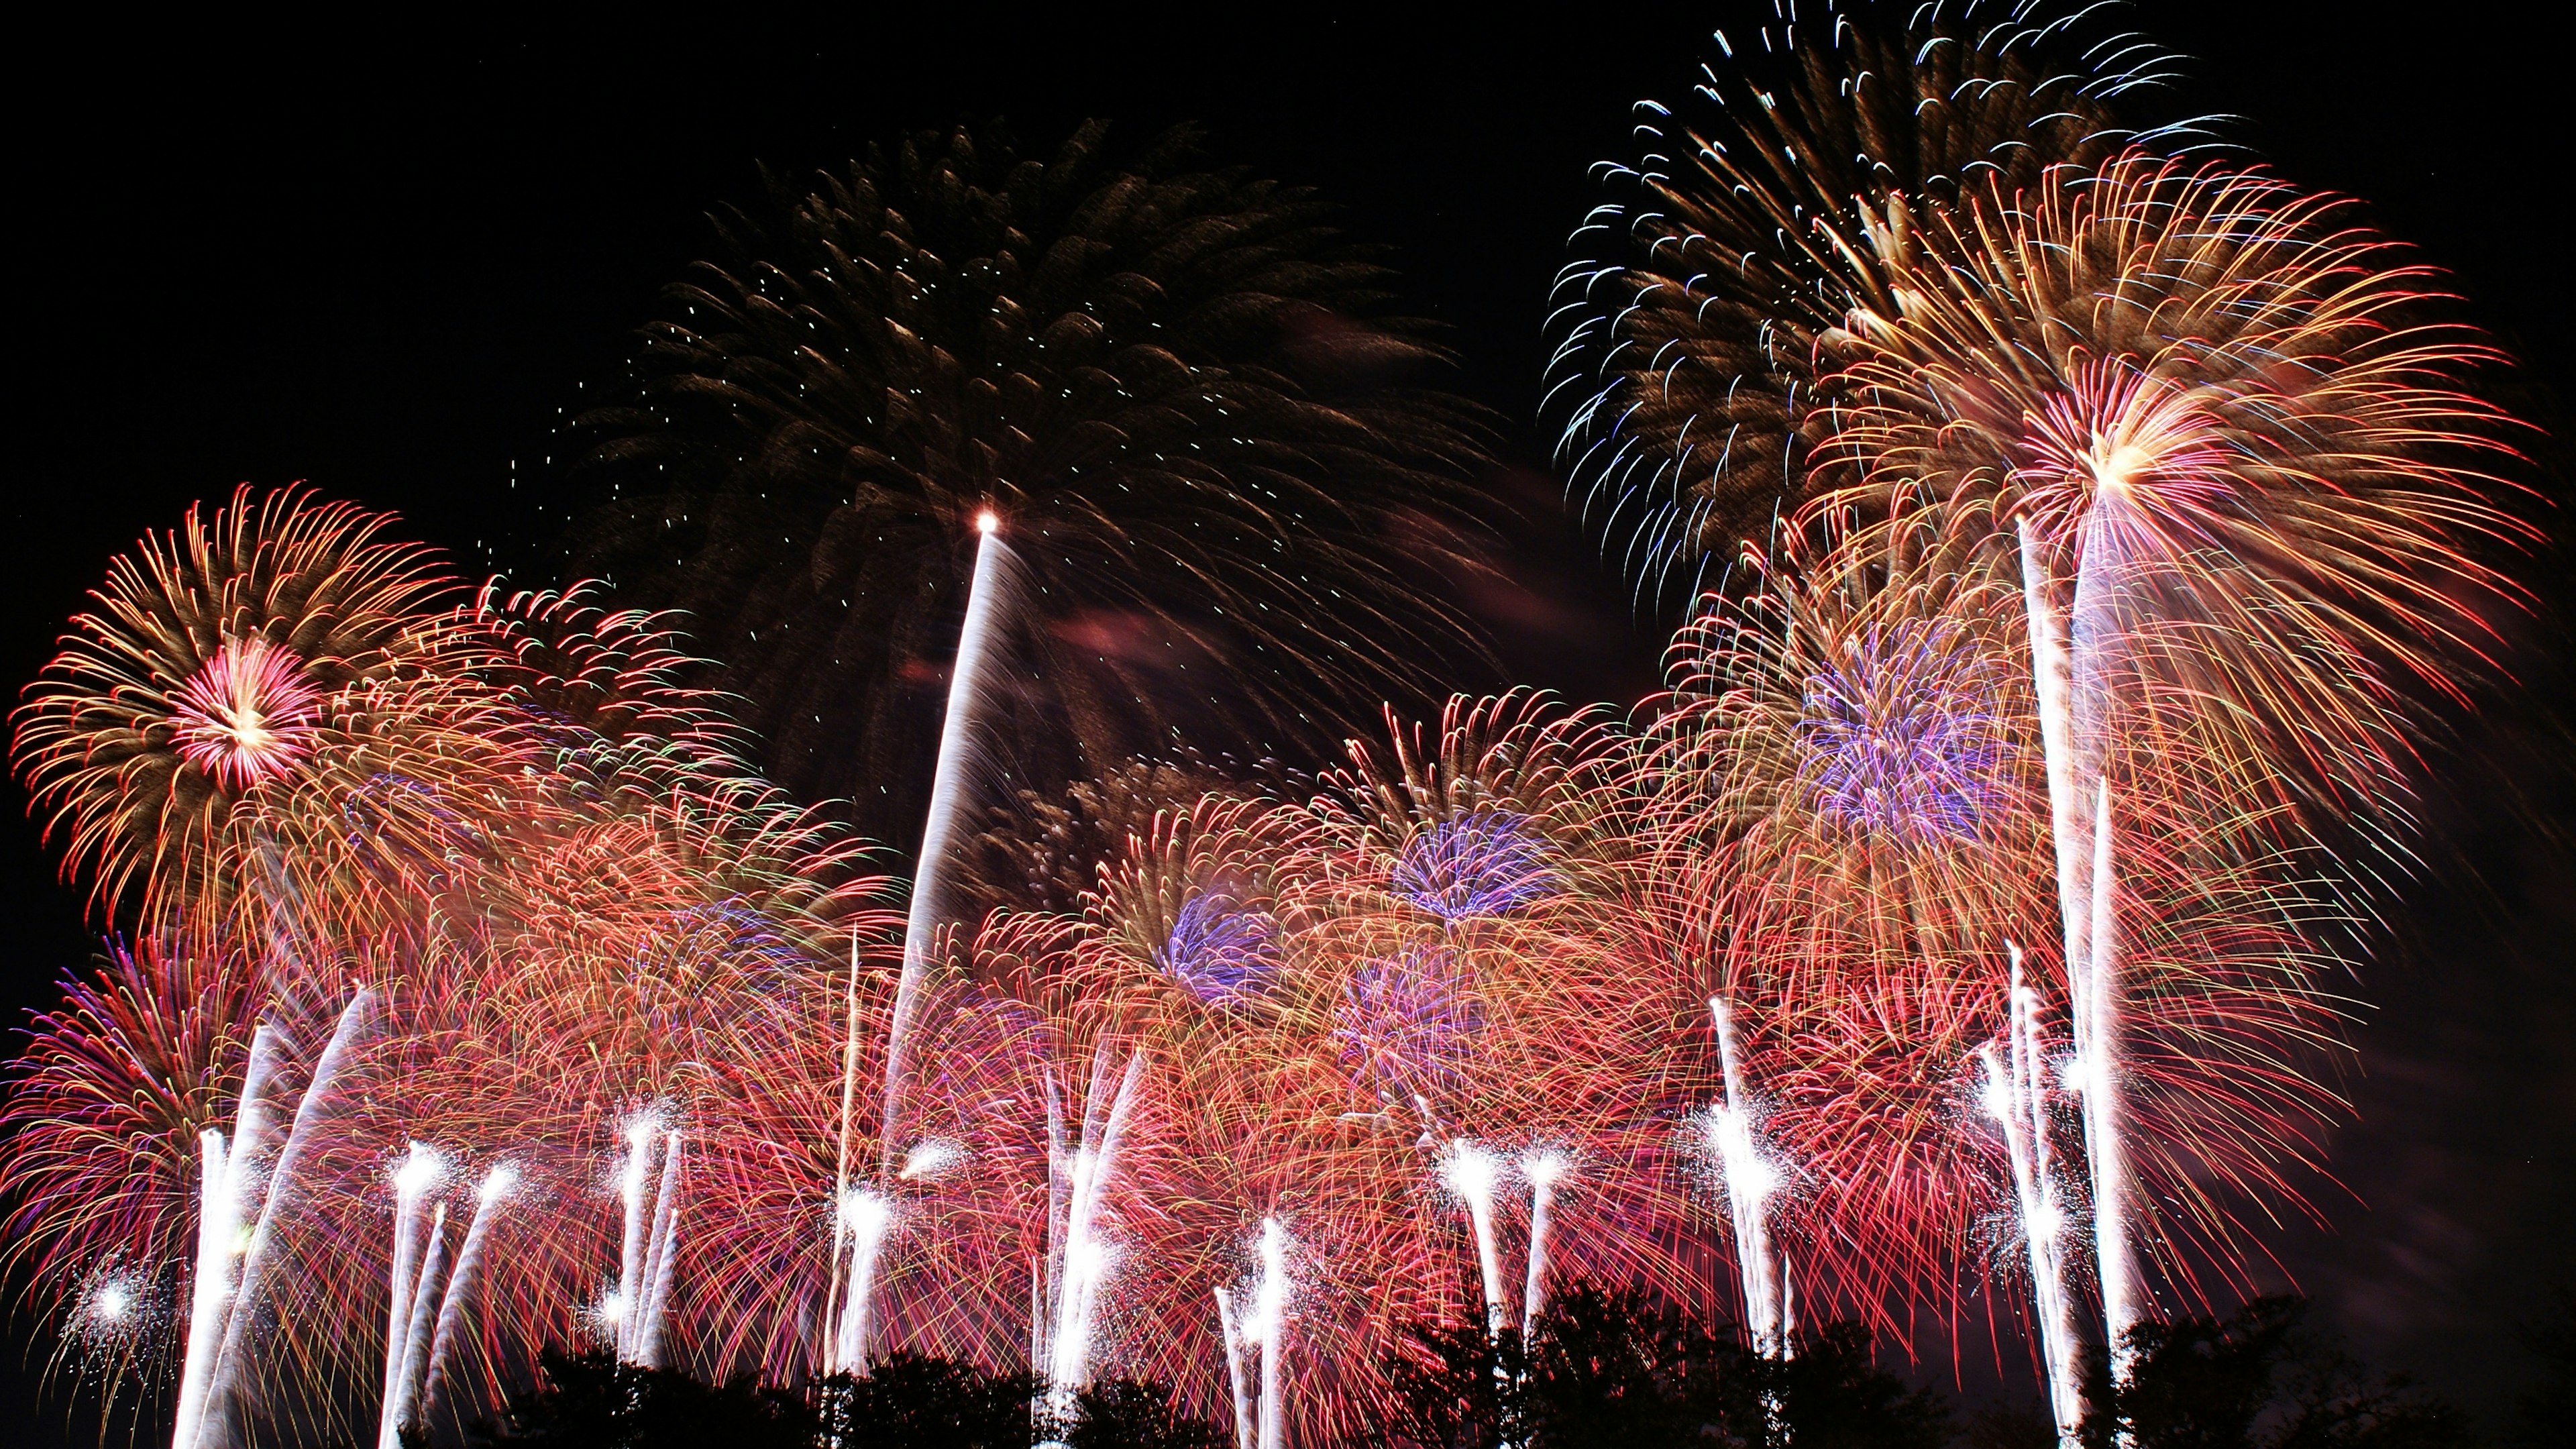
[402, 1411]
[1231, 1334]
[1543, 1170]
[949, 801]
[218, 1220]
[1270, 1320]
[412, 1184]
[632, 1177]
[1473, 1173]
[1083, 1256]
[866, 1217]
[1750, 1180]
[229, 1363]
[2016, 1096]
[832, 1277]
[657, 1262]
[460, 1284]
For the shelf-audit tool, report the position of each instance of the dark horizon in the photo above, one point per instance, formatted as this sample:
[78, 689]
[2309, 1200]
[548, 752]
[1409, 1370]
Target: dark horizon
[387, 263]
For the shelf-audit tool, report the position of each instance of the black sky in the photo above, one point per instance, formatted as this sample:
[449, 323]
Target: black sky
[382, 256]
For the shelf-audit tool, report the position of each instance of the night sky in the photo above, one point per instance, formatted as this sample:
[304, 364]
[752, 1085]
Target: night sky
[386, 260]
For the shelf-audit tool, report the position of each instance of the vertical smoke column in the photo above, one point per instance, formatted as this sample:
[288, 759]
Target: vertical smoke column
[460, 1284]
[832, 1274]
[412, 1182]
[2071, 676]
[1749, 1181]
[647, 1350]
[1270, 1320]
[403, 1409]
[1473, 1173]
[213, 1297]
[631, 1177]
[1544, 1170]
[2096, 638]
[218, 1219]
[2016, 1096]
[2067, 809]
[1086, 1256]
[1231, 1334]
[865, 1218]
[948, 802]
[281, 1181]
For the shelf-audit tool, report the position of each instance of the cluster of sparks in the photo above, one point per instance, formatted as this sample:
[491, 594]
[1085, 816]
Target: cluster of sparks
[484, 998]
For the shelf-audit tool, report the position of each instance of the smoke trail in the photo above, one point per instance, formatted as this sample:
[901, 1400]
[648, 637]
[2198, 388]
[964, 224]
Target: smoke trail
[412, 1182]
[832, 1286]
[657, 1263]
[631, 1243]
[2096, 635]
[865, 1219]
[469, 1259]
[948, 803]
[218, 1219]
[1749, 1182]
[1270, 1320]
[1087, 1257]
[1231, 1334]
[401, 1409]
[2016, 1096]
[226, 1380]
[1473, 1173]
[1543, 1169]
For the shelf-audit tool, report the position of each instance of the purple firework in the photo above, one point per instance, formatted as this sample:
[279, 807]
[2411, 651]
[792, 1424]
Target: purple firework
[1220, 947]
[1485, 863]
[1402, 1027]
[1900, 734]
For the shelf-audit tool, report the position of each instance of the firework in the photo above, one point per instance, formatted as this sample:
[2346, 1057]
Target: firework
[1176, 383]
[948, 802]
[1698, 335]
[239, 677]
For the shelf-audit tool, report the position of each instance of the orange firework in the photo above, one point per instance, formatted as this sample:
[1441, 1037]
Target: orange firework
[243, 679]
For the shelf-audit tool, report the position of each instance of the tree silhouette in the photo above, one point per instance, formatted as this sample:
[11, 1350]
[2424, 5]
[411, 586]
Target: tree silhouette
[1615, 1370]
[2258, 1380]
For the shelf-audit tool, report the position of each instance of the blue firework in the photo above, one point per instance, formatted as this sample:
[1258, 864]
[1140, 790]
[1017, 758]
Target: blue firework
[1485, 863]
[1220, 947]
[1900, 734]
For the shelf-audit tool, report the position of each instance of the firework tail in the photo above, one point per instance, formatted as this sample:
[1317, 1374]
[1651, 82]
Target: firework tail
[1472, 1173]
[2051, 683]
[227, 1368]
[2096, 635]
[1543, 1169]
[2015, 1094]
[1087, 1257]
[1788, 1310]
[402, 1410]
[832, 1310]
[219, 1211]
[2102, 1127]
[1270, 1320]
[948, 802]
[1747, 1190]
[412, 1182]
[865, 1219]
[218, 1219]
[1232, 1336]
[2071, 677]
[632, 1177]
[657, 1261]
[460, 1284]
[1045, 1288]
